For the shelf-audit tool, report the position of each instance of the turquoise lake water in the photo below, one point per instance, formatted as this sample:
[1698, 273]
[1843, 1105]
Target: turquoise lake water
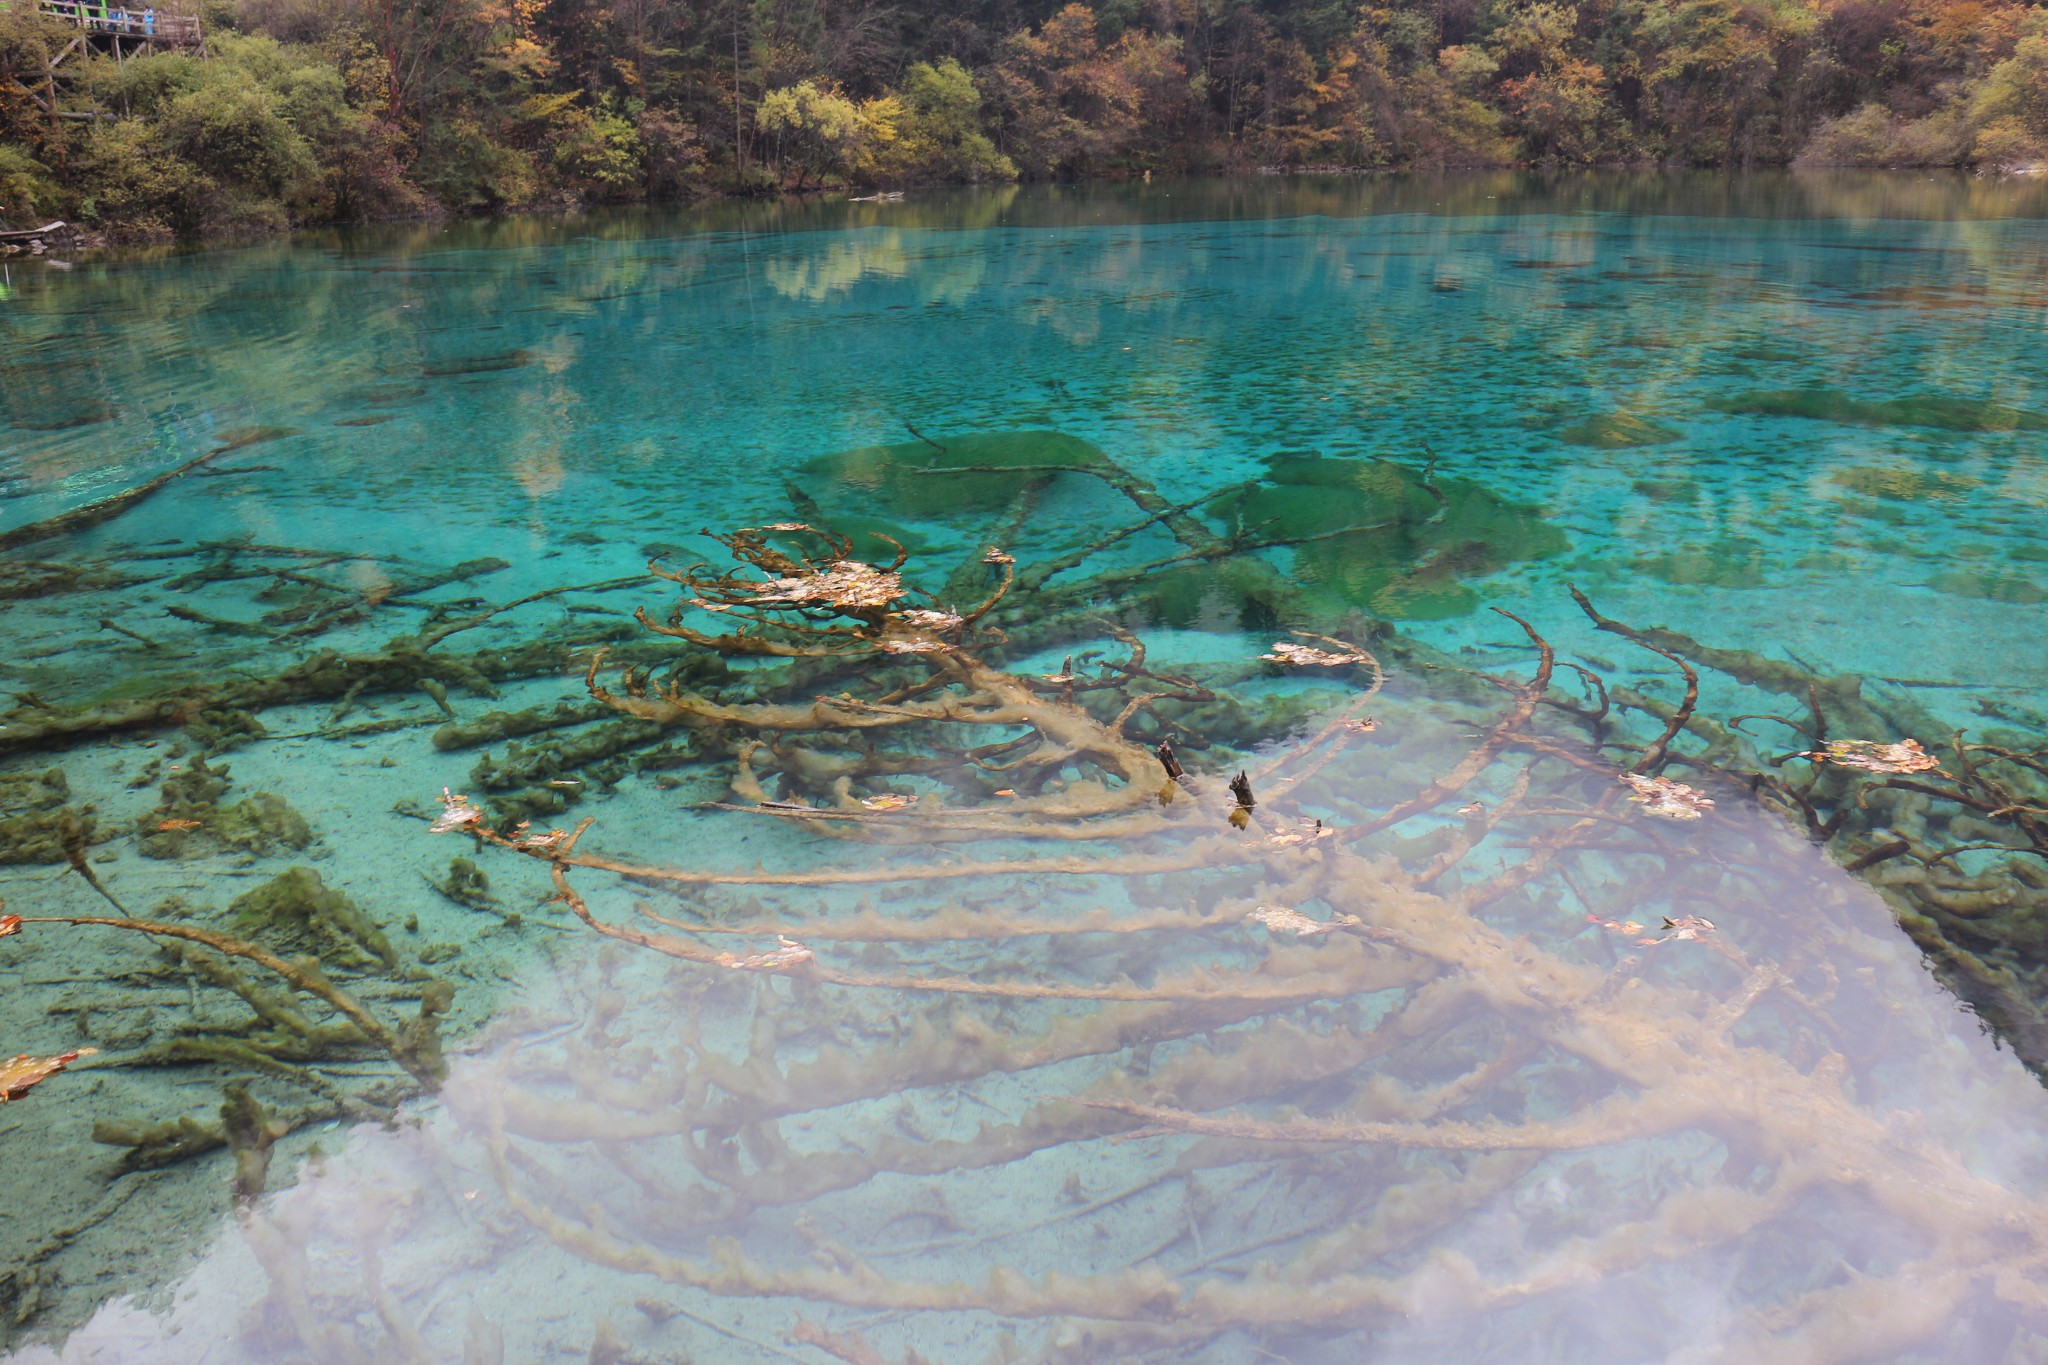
[1804, 416]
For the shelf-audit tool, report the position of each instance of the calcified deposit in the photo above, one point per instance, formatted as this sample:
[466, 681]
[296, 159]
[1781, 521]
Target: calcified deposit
[1344, 1018]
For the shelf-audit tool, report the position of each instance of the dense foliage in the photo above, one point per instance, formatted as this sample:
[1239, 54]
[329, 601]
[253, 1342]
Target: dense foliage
[336, 110]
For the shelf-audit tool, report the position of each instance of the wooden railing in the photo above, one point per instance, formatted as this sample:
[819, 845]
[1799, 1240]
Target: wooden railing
[148, 24]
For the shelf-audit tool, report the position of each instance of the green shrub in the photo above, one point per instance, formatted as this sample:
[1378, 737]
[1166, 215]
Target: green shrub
[26, 187]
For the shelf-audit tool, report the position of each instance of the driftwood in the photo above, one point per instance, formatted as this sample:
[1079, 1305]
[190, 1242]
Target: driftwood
[106, 509]
[29, 236]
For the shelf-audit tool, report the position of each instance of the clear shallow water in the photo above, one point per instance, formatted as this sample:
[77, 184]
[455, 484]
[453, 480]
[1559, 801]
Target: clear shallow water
[1796, 416]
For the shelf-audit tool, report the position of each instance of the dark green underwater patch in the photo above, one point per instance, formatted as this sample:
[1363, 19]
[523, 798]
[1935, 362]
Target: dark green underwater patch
[1938, 411]
[952, 476]
[1616, 431]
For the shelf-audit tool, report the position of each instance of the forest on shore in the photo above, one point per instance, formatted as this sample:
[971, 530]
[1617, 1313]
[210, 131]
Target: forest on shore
[316, 111]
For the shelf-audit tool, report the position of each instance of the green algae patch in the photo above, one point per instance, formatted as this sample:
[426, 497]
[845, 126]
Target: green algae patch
[476, 364]
[1617, 431]
[1380, 537]
[190, 822]
[1938, 411]
[977, 473]
[1230, 595]
[1990, 587]
[298, 909]
[1731, 563]
[1898, 483]
[1665, 490]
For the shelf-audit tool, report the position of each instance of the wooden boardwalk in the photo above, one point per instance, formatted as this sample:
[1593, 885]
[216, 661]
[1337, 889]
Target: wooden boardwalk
[122, 31]
[114, 30]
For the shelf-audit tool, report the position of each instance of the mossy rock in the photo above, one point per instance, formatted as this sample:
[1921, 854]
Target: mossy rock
[1898, 483]
[913, 479]
[296, 908]
[1617, 431]
[1938, 411]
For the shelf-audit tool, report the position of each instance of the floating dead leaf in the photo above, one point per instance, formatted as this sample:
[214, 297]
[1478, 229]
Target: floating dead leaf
[456, 813]
[1363, 726]
[1006, 791]
[9, 924]
[1629, 927]
[914, 645]
[1877, 757]
[1281, 920]
[536, 842]
[1473, 808]
[1686, 928]
[1666, 799]
[931, 620]
[168, 825]
[1308, 656]
[847, 584]
[788, 957]
[1307, 834]
[22, 1074]
[888, 801]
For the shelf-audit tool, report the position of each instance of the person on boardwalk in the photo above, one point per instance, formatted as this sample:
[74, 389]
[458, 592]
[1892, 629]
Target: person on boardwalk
[149, 22]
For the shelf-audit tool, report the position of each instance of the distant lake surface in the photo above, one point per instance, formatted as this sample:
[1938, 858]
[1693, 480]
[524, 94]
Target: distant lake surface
[1621, 595]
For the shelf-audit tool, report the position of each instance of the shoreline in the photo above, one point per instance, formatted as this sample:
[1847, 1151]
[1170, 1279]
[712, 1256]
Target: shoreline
[83, 238]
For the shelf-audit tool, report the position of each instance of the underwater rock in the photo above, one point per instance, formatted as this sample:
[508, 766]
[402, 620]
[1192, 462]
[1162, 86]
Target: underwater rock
[929, 480]
[1617, 431]
[1938, 411]
[296, 907]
